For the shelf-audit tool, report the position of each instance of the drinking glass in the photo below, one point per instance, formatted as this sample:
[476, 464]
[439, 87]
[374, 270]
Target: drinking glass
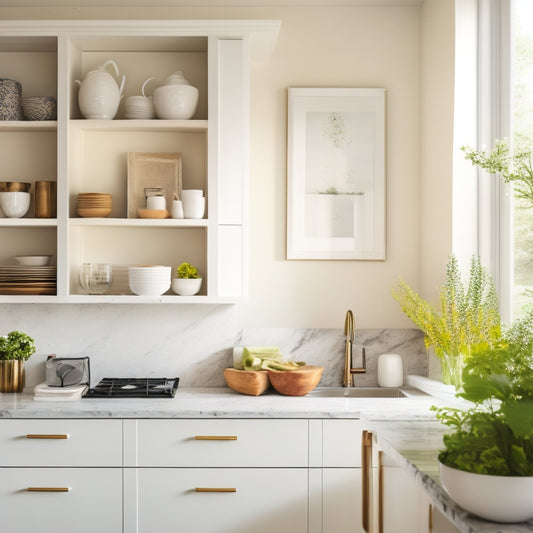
[96, 278]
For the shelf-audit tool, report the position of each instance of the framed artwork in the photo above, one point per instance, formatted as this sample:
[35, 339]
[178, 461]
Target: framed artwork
[336, 174]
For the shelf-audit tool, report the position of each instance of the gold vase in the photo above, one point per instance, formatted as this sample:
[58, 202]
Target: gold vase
[11, 375]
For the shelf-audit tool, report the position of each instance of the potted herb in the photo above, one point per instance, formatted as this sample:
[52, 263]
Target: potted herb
[15, 348]
[487, 460]
[466, 315]
[187, 281]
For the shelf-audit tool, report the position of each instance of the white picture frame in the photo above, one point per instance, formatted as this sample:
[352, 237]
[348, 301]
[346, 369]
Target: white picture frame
[336, 174]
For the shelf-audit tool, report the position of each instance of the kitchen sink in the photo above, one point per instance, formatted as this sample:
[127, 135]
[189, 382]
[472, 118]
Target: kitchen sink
[361, 392]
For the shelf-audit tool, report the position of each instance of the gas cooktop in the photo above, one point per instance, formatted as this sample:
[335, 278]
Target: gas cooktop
[134, 388]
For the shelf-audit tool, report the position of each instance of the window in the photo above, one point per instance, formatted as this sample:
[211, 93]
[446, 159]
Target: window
[522, 127]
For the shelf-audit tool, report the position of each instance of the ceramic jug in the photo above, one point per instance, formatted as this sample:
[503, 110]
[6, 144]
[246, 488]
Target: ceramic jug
[99, 94]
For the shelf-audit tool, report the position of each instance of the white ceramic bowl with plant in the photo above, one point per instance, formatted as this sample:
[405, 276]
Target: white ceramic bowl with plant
[187, 281]
[487, 462]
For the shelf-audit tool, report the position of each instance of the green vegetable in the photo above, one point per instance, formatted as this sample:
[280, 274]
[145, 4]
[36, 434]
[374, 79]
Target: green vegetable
[16, 345]
[269, 358]
[495, 435]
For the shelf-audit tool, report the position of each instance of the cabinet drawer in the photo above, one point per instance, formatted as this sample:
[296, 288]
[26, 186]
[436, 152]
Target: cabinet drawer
[61, 442]
[262, 500]
[341, 442]
[93, 502]
[220, 443]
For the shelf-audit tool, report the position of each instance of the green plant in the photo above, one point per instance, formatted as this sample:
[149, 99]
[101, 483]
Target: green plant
[187, 271]
[467, 314]
[495, 435]
[513, 167]
[16, 345]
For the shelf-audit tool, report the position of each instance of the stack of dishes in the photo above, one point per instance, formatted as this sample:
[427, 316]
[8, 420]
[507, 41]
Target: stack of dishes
[94, 204]
[22, 279]
[149, 280]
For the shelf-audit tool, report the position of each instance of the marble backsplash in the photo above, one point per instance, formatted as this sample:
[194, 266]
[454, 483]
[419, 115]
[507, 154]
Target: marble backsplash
[193, 342]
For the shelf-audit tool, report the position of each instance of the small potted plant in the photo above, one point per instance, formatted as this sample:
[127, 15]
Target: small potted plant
[487, 460]
[467, 314]
[187, 281]
[15, 348]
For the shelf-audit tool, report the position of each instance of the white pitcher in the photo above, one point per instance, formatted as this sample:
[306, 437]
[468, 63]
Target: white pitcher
[99, 94]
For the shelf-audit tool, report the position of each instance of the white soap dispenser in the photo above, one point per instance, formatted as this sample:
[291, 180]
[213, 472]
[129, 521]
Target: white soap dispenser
[390, 370]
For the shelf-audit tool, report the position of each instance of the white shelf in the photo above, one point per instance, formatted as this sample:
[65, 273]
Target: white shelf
[27, 125]
[84, 155]
[139, 125]
[28, 222]
[139, 222]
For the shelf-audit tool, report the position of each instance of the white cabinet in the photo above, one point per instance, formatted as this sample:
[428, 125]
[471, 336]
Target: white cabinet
[47, 57]
[223, 500]
[396, 503]
[219, 476]
[69, 496]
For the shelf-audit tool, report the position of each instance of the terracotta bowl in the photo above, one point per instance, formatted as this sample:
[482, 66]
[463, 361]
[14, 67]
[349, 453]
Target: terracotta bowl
[296, 382]
[251, 382]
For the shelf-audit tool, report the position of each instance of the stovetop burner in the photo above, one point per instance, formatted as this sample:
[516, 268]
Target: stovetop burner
[134, 388]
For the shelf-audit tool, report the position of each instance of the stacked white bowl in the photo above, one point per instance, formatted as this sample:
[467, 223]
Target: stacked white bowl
[149, 280]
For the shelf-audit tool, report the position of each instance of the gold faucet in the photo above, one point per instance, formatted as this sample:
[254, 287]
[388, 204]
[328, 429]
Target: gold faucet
[349, 334]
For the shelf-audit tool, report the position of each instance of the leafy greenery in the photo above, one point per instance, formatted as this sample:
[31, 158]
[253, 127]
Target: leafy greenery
[16, 345]
[467, 314]
[187, 271]
[495, 435]
[513, 167]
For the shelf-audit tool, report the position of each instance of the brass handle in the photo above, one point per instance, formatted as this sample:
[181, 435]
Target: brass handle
[380, 494]
[47, 436]
[215, 437]
[215, 489]
[430, 518]
[48, 489]
[366, 463]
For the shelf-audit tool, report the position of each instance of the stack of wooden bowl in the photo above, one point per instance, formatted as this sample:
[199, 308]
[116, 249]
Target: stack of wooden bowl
[94, 204]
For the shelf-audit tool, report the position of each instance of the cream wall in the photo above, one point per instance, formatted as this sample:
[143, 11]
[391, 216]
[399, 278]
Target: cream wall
[341, 47]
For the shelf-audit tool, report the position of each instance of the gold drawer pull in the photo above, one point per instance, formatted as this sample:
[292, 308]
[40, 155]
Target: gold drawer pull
[48, 489]
[215, 437]
[215, 489]
[46, 436]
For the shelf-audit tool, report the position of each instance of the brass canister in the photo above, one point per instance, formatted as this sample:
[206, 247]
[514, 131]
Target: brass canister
[45, 199]
[12, 375]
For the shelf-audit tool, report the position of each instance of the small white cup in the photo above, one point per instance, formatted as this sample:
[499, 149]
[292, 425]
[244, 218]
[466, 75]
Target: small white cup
[156, 202]
[177, 209]
[189, 193]
[193, 206]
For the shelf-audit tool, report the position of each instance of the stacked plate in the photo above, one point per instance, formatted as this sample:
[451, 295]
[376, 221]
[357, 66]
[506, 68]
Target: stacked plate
[149, 280]
[27, 279]
[94, 204]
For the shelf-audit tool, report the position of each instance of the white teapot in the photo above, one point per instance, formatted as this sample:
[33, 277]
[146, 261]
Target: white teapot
[99, 94]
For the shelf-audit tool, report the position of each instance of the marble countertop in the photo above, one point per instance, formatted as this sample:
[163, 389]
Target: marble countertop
[406, 428]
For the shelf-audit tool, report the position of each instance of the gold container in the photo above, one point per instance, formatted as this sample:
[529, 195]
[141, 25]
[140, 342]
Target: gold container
[11, 375]
[45, 199]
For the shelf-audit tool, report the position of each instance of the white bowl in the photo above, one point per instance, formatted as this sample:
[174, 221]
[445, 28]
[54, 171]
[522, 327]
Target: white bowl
[175, 101]
[149, 280]
[15, 204]
[186, 287]
[495, 498]
[33, 260]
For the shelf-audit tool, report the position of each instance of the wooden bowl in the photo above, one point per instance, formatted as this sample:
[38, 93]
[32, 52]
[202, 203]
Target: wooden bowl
[296, 382]
[251, 382]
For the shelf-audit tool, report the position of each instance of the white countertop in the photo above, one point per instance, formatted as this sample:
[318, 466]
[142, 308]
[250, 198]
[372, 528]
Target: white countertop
[406, 428]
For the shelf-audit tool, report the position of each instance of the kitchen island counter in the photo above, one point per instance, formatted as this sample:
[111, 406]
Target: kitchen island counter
[406, 429]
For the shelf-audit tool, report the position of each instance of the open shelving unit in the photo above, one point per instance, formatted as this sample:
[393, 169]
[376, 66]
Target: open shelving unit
[47, 57]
